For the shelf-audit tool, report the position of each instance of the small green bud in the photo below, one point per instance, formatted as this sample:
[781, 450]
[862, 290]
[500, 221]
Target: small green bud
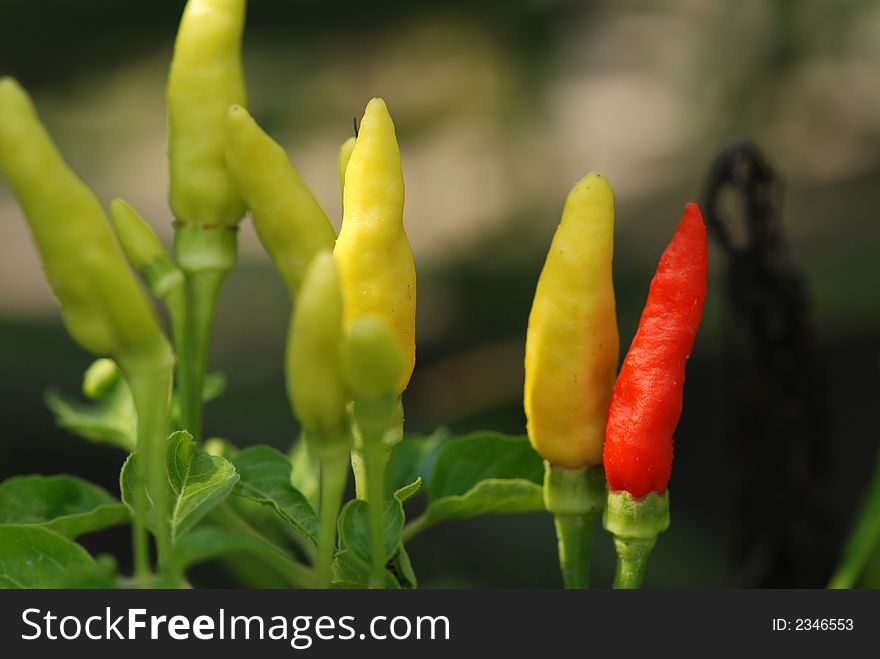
[100, 378]
[144, 250]
[314, 371]
[372, 359]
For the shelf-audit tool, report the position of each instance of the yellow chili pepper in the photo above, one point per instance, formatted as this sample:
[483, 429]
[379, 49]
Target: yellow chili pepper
[373, 254]
[103, 306]
[206, 77]
[289, 220]
[572, 344]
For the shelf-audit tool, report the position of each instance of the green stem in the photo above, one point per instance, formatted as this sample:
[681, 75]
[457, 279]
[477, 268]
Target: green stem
[863, 540]
[204, 289]
[206, 253]
[635, 523]
[334, 475]
[375, 456]
[574, 534]
[176, 302]
[297, 574]
[415, 527]
[149, 378]
[632, 560]
[575, 497]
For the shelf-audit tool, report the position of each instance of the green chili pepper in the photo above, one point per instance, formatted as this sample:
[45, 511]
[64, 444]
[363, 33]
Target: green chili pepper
[103, 307]
[289, 220]
[144, 250]
[314, 367]
[206, 77]
[319, 395]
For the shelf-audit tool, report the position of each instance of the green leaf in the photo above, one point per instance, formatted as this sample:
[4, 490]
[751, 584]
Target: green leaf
[354, 528]
[350, 571]
[265, 478]
[198, 482]
[494, 495]
[408, 491]
[102, 574]
[111, 420]
[402, 569]
[67, 505]
[37, 557]
[464, 462]
[481, 474]
[351, 568]
[415, 457]
[207, 543]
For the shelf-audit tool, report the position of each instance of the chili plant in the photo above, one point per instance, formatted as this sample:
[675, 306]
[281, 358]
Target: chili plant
[350, 354]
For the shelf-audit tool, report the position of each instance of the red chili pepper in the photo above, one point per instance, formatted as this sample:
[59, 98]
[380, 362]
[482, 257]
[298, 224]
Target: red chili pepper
[647, 398]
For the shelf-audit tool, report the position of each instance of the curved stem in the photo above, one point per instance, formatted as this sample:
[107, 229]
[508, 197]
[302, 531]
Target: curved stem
[204, 289]
[149, 378]
[863, 540]
[575, 537]
[632, 560]
[334, 475]
[413, 528]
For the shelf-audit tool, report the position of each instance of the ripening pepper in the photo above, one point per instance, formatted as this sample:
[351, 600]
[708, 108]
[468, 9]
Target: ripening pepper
[206, 77]
[289, 220]
[572, 343]
[647, 399]
[314, 356]
[375, 261]
[103, 306]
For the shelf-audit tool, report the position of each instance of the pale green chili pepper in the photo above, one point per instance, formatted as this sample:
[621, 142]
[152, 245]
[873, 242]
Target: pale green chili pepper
[103, 307]
[318, 393]
[314, 353]
[149, 257]
[145, 251]
[289, 220]
[206, 77]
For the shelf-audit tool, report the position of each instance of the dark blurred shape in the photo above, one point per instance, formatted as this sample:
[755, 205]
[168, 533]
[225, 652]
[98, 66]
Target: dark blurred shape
[776, 423]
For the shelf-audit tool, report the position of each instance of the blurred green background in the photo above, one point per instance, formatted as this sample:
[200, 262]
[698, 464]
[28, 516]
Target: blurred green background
[500, 107]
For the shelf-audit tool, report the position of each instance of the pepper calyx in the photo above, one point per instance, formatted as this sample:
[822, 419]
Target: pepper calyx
[580, 491]
[636, 518]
